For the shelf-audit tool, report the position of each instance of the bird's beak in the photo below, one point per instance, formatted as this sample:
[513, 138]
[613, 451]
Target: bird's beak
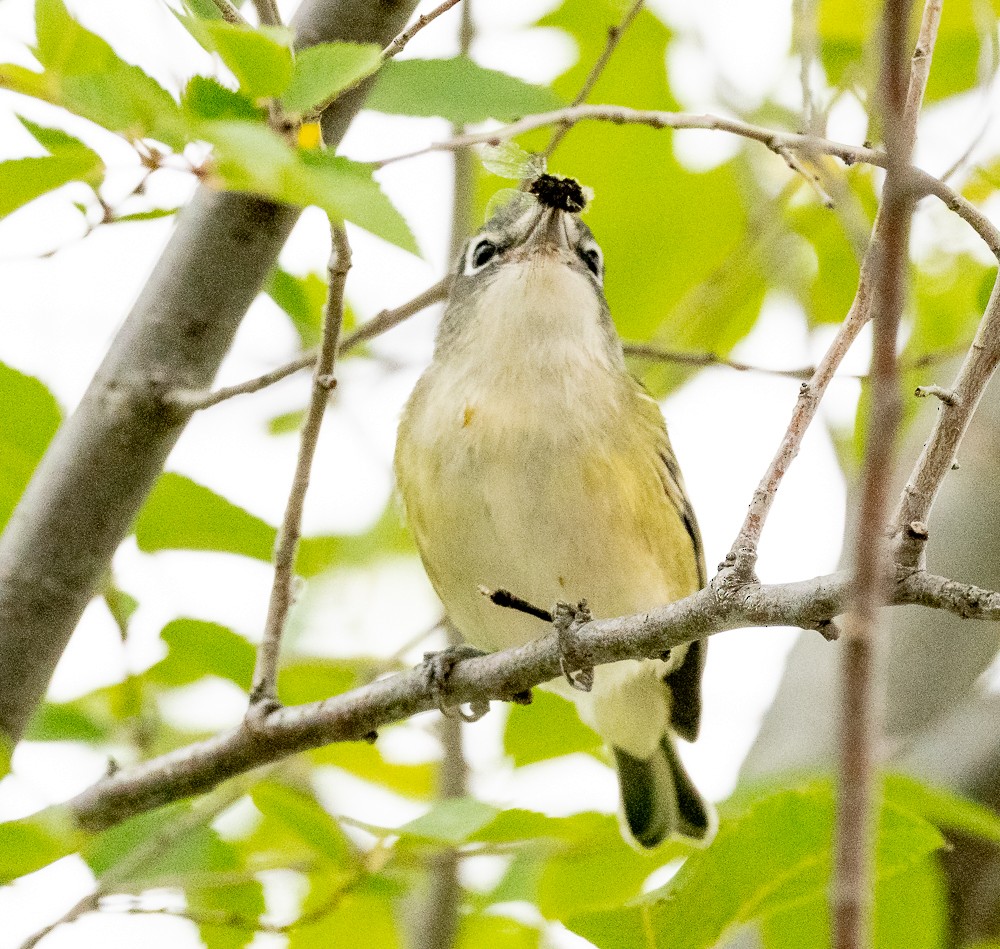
[549, 232]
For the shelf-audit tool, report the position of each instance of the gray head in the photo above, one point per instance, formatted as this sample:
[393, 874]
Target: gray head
[535, 273]
[522, 229]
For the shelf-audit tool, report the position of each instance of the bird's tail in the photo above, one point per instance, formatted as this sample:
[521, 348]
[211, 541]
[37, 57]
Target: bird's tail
[659, 799]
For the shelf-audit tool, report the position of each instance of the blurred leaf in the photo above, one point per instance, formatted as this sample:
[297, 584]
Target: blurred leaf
[65, 722]
[450, 821]
[303, 299]
[943, 808]
[206, 98]
[31, 843]
[153, 214]
[598, 871]
[547, 728]
[24, 179]
[109, 848]
[121, 605]
[477, 930]
[366, 761]
[845, 29]
[305, 817]
[203, 9]
[910, 910]
[287, 423]
[250, 157]
[197, 648]
[323, 70]
[314, 679]
[182, 515]
[458, 90]
[29, 419]
[344, 915]
[86, 76]
[259, 57]
[773, 856]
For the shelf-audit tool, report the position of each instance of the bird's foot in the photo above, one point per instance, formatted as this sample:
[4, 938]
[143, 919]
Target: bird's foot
[437, 667]
[568, 620]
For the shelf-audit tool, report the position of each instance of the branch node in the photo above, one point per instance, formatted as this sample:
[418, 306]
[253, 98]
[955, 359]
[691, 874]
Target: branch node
[327, 380]
[917, 530]
[948, 396]
[370, 737]
[828, 629]
[568, 620]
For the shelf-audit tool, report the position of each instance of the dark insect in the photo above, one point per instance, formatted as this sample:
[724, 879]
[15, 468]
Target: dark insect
[564, 194]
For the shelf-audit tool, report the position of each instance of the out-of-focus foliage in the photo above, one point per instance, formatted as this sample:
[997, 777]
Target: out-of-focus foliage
[692, 256]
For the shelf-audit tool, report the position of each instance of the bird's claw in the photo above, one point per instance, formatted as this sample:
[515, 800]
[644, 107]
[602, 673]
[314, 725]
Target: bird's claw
[437, 668]
[568, 620]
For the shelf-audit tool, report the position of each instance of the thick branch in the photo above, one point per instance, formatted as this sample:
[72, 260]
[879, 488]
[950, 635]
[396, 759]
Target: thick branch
[86, 493]
[357, 715]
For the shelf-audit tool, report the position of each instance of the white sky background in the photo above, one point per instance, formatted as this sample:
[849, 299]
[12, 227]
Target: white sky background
[58, 315]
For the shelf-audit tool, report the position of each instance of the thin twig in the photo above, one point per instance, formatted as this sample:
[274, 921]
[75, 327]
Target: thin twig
[230, 13]
[266, 670]
[400, 41]
[378, 324]
[941, 448]
[804, 28]
[948, 396]
[615, 34]
[267, 12]
[744, 550]
[726, 604]
[795, 163]
[923, 183]
[852, 890]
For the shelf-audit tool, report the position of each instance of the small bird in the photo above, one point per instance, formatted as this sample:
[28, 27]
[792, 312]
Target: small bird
[530, 460]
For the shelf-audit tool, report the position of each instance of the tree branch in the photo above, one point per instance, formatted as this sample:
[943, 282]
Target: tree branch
[265, 675]
[851, 893]
[923, 184]
[615, 34]
[403, 38]
[191, 401]
[728, 603]
[87, 491]
[941, 448]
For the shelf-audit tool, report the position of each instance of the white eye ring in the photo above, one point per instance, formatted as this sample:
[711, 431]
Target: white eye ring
[593, 259]
[481, 252]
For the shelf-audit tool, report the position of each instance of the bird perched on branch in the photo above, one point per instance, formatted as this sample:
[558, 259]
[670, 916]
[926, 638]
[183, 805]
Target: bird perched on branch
[529, 459]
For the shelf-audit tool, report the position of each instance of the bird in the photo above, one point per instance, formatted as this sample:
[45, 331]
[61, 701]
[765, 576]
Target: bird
[529, 459]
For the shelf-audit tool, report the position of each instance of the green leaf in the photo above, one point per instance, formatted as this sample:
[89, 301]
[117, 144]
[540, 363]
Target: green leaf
[30, 418]
[85, 75]
[477, 930]
[910, 910]
[366, 761]
[31, 843]
[458, 90]
[197, 648]
[303, 299]
[24, 179]
[304, 816]
[65, 722]
[207, 99]
[943, 808]
[547, 728]
[314, 679]
[451, 821]
[767, 859]
[367, 910]
[6, 753]
[323, 70]
[259, 57]
[249, 157]
[182, 515]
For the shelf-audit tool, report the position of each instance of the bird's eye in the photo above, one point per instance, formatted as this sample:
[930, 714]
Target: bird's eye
[480, 254]
[591, 256]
